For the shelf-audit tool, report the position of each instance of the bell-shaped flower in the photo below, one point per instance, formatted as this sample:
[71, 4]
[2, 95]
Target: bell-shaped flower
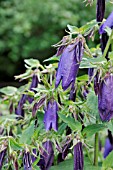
[47, 156]
[78, 157]
[105, 98]
[107, 148]
[27, 161]
[100, 10]
[34, 84]
[69, 64]
[107, 23]
[51, 116]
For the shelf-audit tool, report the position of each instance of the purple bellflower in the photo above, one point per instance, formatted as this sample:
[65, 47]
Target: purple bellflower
[19, 110]
[47, 156]
[107, 23]
[100, 10]
[105, 98]
[34, 84]
[51, 116]
[78, 157]
[2, 156]
[69, 65]
[27, 161]
[107, 148]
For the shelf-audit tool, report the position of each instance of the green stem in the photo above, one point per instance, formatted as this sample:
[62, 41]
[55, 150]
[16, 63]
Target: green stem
[107, 46]
[96, 147]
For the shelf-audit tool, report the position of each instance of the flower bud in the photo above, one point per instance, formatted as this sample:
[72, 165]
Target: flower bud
[27, 161]
[100, 10]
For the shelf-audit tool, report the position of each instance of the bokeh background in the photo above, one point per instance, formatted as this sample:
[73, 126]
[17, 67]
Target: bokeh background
[29, 28]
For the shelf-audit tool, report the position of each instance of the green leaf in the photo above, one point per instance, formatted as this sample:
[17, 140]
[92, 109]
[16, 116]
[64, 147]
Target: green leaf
[67, 165]
[88, 26]
[9, 90]
[108, 162]
[27, 134]
[14, 145]
[73, 29]
[88, 165]
[92, 129]
[84, 77]
[92, 103]
[32, 62]
[74, 125]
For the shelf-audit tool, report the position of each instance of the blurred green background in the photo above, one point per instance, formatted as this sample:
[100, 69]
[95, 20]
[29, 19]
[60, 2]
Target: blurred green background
[28, 28]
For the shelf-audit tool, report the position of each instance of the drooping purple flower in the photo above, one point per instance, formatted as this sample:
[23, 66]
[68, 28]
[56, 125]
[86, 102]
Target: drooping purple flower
[34, 84]
[100, 10]
[78, 157]
[105, 98]
[2, 156]
[19, 110]
[96, 83]
[107, 23]
[107, 148]
[27, 161]
[69, 64]
[47, 156]
[51, 116]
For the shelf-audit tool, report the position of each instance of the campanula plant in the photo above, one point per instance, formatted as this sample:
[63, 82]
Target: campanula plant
[63, 113]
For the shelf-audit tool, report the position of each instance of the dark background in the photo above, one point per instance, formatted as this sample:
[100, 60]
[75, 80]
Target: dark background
[28, 28]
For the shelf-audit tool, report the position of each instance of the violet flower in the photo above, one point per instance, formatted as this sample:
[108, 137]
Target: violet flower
[51, 116]
[69, 64]
[107, 148]
[105, 98]
[107, 23]
[78, 157]
[100, 10]
[47, 156]
[34, 84]
[2, 156]
[19, 110]
[27, 161]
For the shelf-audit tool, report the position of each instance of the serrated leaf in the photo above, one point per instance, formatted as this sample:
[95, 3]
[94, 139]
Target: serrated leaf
[108, 162]
[74, 125]
[90, 130]
[27, 134]
[92, 103]
[9, 90]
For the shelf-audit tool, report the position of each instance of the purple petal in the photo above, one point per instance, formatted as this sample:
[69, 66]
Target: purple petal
[27, 161]
[51, 116]
[107, 23]
[2, 156]
[105, 99]
[107, 148]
